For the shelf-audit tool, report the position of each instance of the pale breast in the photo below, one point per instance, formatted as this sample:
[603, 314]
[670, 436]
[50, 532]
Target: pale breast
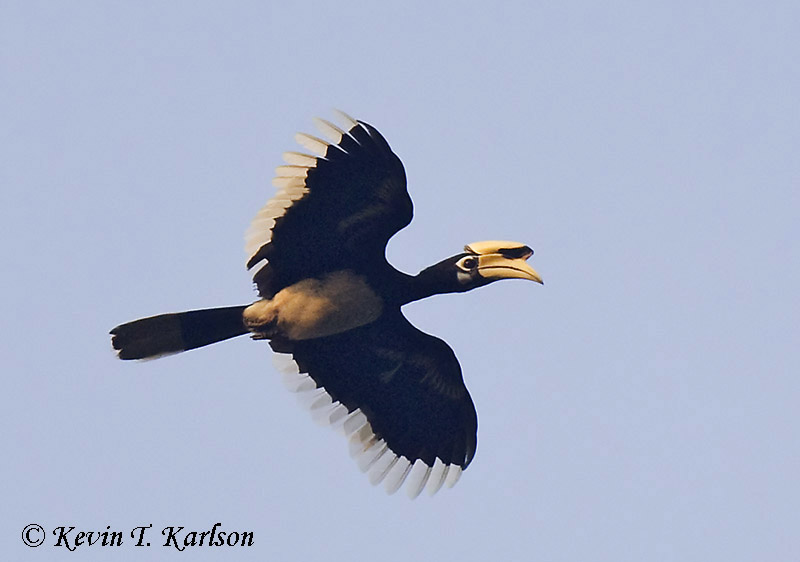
[314, 308]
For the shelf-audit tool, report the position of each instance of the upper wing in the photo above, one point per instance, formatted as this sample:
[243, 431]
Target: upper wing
[399, 395]
[332, 211]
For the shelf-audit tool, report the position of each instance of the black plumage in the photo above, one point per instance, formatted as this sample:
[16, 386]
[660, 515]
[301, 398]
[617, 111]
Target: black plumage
[331, 301]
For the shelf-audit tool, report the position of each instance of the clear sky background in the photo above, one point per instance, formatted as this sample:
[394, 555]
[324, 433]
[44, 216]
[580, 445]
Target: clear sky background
[642, 405]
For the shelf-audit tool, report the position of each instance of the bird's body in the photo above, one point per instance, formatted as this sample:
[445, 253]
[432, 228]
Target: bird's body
[331, 304]
[317, 307]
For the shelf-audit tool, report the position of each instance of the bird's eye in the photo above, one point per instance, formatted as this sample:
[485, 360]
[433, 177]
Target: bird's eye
[468, 264]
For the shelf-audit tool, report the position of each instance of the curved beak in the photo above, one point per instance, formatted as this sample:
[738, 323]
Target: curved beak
[496, 267]
[499, 259]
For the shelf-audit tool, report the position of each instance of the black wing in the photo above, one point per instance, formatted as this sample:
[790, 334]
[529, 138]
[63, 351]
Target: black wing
[399, 395]
[332, 211]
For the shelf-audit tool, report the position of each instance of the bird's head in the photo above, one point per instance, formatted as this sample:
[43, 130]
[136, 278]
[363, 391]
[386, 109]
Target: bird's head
[482, 263]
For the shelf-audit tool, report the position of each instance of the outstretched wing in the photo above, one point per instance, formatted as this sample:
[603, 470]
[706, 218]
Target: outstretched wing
[398, 394]
[334, 210]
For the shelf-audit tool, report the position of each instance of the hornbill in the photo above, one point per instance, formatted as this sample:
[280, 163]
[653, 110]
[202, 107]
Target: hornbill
[330, 307]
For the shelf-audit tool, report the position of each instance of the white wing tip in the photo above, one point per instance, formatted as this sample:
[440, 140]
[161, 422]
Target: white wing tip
[371, 453]
[345, 119]
[329, 130]
[291, 177]
[453, 475]
[417, 479]
[299, 159]
[397, 475]
[314, 144]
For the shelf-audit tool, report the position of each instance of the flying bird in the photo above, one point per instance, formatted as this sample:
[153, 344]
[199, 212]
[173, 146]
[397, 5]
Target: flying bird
[330, 307]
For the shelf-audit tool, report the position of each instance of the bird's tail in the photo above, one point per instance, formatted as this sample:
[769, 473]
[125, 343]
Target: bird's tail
[166, 334]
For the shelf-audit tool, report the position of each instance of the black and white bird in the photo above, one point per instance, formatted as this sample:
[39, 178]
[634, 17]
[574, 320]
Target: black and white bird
[330, 307]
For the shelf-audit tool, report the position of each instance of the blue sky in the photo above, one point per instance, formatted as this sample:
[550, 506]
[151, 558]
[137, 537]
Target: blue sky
[642, 405]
